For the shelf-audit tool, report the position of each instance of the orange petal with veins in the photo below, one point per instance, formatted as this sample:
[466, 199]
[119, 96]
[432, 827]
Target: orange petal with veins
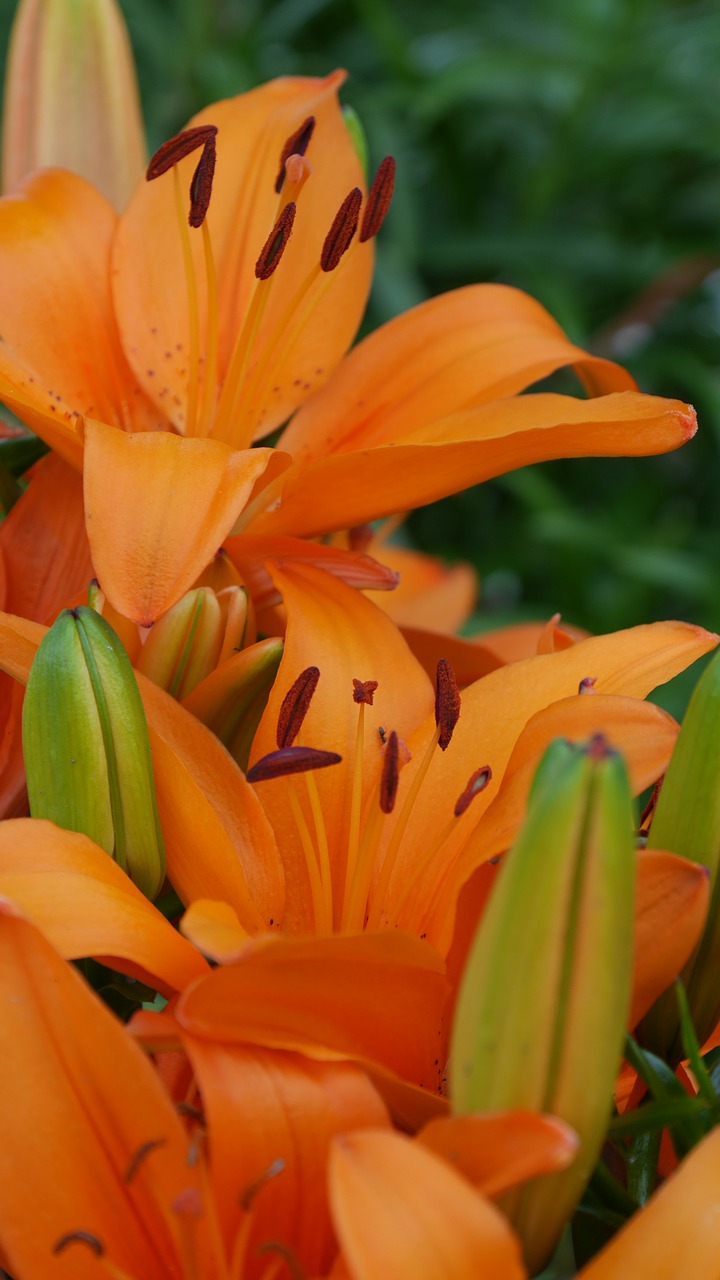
[400, 1211]
[157, 508]
[370, 997]
[60, 354]
[423, 464]
[677, 1233]
[462, 349]
[670, 909]
[498, 1151]
[86, 906]
[80, 1100]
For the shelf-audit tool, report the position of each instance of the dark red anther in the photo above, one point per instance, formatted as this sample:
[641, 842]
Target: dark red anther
[201, 185]
[339, 237]
[248, 1195]
[378, 199]
[296, 145]
[274, 247]
[360, 537]
[79, 1237]
[447, 702]
[278, 764]
[390, 774]
[177, 148]
[364, 691]
[587, 684]
[143, 1151]
[295, 706]
[476, 783]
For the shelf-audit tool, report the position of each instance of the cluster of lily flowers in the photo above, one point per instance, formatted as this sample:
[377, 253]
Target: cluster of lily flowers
[333, 946]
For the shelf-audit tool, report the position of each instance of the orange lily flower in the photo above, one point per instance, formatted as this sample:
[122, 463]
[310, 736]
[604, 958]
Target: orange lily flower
[207, 337]
[348, 862]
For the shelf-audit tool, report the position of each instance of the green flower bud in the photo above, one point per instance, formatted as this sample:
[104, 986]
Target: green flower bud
[542, 1008]
[86, 745]
[71, 96]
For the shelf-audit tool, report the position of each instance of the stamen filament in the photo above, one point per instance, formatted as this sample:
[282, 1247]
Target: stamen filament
[393, 915]
[311, 861]
[193, 315]
[326, 924]
[211, 355]
[354, 915]
[392, 851]
[354, 824]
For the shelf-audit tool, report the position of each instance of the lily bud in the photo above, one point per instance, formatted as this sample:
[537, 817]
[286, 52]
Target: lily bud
[544, 999]
[71, 96]
[197, 634]
[686, 821]
[86, 745]
[231, 700]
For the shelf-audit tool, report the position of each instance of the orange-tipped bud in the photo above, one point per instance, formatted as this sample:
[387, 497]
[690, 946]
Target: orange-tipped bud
[71, 96]
[545, 995]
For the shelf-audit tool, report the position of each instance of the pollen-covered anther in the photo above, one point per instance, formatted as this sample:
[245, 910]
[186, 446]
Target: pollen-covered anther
[139, 1156]
[390, 774]
[79, 1237]
[339, 237]
[274, 247]
[177, 148]
[278, 764]
[201, 185]
[364, 691]
[447, 702]
[476, 783]
[587, 684]
[296, 145]
[378, 199]
[295, 706]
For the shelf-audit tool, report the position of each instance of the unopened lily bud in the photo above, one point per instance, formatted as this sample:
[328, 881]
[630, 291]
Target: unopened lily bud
[86, 745]
[542, 1009]
[231, 700]
[686, 821]
[71, 96]
[185, 644]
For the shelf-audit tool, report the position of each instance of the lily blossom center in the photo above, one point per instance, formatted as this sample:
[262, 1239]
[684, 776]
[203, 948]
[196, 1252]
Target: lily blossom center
[221, 402]
[377, 824]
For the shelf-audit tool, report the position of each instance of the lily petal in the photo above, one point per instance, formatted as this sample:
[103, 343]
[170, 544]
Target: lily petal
[461, 349]
[401, 1211]
[677, 1233]
[497, 1151]
[670, 909]
[266, 1109]
[60, 354]
[370, 997]
[95, 1101]
[427, 463]
[250, 554]
[86, 906]
[157, 508]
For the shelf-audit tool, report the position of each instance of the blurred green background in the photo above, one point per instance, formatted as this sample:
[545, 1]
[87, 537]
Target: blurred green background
[572, 150]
